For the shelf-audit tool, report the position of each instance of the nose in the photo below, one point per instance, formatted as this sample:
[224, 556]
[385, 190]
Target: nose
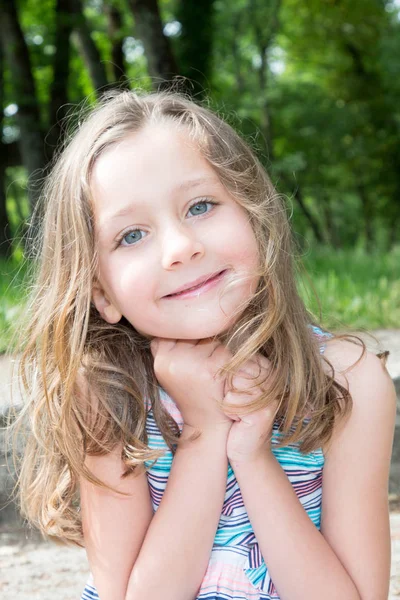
[180, 245]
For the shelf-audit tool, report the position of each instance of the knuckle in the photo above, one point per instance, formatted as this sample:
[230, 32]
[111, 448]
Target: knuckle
[240, 381]
[229, 397]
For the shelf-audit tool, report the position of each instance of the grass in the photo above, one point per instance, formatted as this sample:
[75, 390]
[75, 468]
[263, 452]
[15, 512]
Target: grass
[356, 290]
[12, 294]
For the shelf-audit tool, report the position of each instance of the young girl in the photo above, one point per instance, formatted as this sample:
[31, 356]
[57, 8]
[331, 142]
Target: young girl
[190, 423]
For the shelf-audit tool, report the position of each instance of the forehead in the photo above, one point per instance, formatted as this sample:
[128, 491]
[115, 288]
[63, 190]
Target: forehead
[145, 167]
[153, 150]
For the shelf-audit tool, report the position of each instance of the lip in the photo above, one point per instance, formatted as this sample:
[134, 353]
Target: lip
[202, 284]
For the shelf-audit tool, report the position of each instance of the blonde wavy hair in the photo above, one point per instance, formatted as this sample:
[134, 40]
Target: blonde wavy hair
[84, 381]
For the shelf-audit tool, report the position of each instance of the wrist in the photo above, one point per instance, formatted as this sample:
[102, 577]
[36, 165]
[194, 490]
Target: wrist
[243, 463]
[215, 430]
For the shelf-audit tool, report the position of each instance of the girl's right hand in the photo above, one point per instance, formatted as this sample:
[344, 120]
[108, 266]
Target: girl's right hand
[186, 370]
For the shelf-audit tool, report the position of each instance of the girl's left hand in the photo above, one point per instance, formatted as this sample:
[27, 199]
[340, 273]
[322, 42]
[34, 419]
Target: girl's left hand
[250, 434]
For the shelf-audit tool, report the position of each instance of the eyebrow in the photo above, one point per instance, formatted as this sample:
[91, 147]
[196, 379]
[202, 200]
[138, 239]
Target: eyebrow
[182, 187]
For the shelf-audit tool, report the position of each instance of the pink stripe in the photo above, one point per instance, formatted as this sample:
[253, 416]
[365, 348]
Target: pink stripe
[231, 579]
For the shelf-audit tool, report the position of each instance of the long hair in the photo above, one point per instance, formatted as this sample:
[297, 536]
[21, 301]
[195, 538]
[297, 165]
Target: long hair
[85, 381]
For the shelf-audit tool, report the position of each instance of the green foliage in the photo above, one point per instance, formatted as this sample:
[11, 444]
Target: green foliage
[313, 86]
[13, 293]
[355, 289]
[37, 22]
[18, 209]
[332, 106]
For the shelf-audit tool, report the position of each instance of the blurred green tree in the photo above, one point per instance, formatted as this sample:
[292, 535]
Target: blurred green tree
[312, 86]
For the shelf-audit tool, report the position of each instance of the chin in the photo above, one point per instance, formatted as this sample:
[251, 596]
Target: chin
[194, 332]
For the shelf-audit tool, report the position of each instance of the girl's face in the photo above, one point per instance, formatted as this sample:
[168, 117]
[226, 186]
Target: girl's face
[162, 221]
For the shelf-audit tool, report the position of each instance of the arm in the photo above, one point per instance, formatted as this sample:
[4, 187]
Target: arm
[350, 557]
[113, 526]
[175, 553]
[135, 555]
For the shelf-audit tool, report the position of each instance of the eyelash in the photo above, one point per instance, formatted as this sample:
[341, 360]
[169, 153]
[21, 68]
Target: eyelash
[128, 231]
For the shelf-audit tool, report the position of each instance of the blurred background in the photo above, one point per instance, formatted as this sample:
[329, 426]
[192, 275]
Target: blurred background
[313, 85]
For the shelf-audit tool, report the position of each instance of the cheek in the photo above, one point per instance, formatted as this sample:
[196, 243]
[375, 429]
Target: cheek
[243, 244]
[130, 282]
[136, 282]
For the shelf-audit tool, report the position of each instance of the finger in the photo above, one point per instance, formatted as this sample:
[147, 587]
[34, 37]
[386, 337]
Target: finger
[263, 361]
[251, 368]
[237, 399]
[207, 346]
[218, 359]
[187, 344]
[231, 416]
[154, 346]
[201, 347]
[254, 370]
[218, 349]
[247, 378]
[161, 344]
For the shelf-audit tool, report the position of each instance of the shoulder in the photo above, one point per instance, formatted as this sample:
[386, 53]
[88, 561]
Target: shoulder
[355, 519]
[370, 386]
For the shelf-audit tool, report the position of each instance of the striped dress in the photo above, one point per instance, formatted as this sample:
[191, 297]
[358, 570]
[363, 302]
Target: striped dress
[236, 569]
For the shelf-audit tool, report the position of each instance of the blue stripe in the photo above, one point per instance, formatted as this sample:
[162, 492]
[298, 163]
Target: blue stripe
[234, 539]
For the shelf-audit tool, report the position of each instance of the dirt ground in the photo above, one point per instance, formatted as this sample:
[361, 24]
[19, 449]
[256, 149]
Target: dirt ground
[35, 570]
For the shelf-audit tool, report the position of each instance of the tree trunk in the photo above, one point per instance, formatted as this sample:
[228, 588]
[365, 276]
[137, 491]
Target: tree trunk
[28, 117]
[310, 218]
[59, 87]
[393, 234]
[5, 234]
[394, 222]
[329, 221]
[114, 26]
[266, 120]
[264, 34]
[149, 29]
[87, 47]
[240, 79]
[195, 44]
[5, 229]
[368, 214]
[13, 152]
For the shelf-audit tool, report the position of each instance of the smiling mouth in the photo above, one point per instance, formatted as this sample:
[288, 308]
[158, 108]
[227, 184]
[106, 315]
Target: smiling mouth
[201, 287]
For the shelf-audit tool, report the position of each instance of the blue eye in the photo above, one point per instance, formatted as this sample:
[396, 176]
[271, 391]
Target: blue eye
[134, 238]
[133, 234]
[202, 203]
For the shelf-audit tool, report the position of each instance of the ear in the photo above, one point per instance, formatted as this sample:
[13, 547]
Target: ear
[106, 309]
